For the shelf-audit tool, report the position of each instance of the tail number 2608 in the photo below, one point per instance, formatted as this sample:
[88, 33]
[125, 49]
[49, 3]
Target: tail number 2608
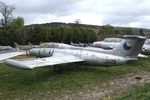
[110, 61]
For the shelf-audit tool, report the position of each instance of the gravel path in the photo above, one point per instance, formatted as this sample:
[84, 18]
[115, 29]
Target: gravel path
[112, 88]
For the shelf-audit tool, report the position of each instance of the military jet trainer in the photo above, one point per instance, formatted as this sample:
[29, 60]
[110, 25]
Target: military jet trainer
[126, 51]
[88, 48]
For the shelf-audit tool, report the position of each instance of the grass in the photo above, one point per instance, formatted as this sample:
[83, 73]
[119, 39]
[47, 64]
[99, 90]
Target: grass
[140, 93]
[45, 83]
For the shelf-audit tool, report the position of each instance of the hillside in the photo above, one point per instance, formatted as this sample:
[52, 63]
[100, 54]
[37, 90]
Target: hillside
[94, 27]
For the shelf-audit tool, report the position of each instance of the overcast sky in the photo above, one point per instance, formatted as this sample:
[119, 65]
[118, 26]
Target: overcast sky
[128, 13]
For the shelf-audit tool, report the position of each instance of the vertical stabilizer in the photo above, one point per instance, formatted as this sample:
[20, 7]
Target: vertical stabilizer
[130, 46]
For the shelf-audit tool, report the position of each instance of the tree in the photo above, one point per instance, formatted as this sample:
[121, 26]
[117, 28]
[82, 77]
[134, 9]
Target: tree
[141, 31]
[76, 35]
[38, 34]
[77, 21]
[92, 36]
[127, 31]
[107, 31]
[67, 38]
[16, 29]
[6, 11]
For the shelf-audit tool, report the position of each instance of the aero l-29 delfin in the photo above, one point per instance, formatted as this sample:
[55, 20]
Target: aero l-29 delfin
[126, 51]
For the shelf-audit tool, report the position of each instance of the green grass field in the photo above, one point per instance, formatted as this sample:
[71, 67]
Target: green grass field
[42, 83]
[140, 93]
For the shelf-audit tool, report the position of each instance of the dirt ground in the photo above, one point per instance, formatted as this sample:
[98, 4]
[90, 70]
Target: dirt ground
[112, 88]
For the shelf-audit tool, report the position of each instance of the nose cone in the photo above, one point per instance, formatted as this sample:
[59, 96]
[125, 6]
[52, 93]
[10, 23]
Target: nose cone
[32, 51]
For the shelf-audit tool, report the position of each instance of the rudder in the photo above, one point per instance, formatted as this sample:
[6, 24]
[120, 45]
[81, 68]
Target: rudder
[130, 46]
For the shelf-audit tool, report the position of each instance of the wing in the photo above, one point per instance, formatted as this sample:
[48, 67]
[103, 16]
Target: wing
[40, 62]
[9, 55]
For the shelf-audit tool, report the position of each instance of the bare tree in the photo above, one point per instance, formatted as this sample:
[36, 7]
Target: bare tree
[77, 21]
[6, 12]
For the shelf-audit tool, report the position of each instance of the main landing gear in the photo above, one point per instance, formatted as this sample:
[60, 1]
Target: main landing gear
[57, 68]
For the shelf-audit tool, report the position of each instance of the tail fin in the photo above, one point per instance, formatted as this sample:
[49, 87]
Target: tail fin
[30, 45]
[130, 46]
[17, 46]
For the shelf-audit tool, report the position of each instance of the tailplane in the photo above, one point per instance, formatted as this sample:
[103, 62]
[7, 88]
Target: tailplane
[130, 46]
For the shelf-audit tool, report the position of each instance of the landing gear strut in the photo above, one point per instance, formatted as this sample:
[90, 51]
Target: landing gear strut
[57, 68]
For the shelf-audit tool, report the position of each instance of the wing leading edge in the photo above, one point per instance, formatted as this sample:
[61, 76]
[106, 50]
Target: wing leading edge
[9, 55]
[40, 62]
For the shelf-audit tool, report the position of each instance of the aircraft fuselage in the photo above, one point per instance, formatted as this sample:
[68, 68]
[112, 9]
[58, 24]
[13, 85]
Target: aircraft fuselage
[87, 56]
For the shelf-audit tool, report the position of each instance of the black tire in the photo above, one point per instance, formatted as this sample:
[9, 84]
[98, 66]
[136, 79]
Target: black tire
[57, 68]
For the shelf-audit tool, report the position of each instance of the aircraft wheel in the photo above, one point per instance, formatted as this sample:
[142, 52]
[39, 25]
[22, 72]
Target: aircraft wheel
[57, 68]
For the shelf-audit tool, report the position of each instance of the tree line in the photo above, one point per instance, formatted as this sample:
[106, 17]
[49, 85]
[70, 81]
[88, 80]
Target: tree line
[13, 30]
[16, 32]
[37, 34]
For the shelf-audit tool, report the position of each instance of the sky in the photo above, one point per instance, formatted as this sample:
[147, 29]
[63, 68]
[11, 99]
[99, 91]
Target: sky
[124, 13]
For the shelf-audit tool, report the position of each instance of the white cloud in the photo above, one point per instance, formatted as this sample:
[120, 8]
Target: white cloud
[134, 13]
